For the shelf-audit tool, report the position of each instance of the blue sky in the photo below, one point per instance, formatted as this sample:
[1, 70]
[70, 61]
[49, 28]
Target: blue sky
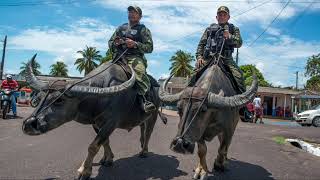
[56, 29]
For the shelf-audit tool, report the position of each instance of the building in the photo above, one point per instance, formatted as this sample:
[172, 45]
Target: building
[176, 84]
[281, 102]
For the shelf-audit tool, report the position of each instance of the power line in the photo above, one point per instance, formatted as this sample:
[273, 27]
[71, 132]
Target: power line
[270, 23]
[294, 22]
[240, 14]
[244, 12]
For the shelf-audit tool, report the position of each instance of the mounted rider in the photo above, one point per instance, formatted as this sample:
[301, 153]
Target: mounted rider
[134, 40]
[211, 43]
[11, 84]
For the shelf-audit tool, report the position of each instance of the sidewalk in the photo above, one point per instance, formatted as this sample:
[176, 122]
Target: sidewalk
[281, 122]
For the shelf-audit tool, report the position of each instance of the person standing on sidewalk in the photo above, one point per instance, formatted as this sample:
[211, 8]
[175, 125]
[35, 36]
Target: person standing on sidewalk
[257, 109]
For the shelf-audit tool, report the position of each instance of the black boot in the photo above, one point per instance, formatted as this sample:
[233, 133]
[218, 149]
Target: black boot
[146, 105]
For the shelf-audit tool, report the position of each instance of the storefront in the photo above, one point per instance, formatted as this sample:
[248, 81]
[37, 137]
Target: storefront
[285, 103]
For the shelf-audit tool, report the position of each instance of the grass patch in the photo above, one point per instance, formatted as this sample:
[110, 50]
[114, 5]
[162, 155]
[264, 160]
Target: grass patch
[279, 139]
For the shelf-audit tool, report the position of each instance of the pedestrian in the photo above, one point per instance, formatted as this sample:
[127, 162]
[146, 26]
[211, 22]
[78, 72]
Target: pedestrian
[257, 109]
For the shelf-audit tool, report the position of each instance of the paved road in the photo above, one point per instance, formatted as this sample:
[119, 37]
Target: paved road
[254, 154]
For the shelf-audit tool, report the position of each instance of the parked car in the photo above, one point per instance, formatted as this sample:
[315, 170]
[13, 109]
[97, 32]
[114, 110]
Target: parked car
[309, 117]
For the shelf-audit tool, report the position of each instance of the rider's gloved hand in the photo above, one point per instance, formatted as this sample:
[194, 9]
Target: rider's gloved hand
[200, 63]
[130, 43]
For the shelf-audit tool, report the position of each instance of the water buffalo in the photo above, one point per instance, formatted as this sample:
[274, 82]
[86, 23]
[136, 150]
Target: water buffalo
[208, 109]
[105, 98]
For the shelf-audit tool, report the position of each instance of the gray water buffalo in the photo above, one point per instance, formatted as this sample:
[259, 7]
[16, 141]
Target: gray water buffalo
[105, 98]
[208, 109]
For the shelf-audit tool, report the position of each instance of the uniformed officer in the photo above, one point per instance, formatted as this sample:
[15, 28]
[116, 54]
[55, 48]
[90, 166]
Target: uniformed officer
[212, 41]
[137, 39]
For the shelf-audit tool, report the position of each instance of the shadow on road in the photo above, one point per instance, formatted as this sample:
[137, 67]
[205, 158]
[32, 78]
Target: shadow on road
[155, 166]
[238, 170]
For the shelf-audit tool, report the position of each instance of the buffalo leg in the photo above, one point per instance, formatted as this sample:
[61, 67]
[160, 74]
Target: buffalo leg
[225, 140]
[146, 129]
[107, 159]
[86, 168]
[201, 171]
[102, 136]
[108, 156]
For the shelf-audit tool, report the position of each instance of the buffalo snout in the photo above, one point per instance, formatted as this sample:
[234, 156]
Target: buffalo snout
[30, 126]
[182, 146]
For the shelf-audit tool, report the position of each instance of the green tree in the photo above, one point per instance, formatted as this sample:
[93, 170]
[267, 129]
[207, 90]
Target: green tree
[313, 83]
[107, 58]
[35, 67]
[313, 66]
[59, 69]
[89, 59]
[181, 64]
[247, 73]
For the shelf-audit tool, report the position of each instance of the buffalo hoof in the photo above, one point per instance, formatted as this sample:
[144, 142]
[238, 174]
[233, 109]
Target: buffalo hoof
[143, 154]
[196, 176]
[84, 177]
[105, 163]
[204, 176]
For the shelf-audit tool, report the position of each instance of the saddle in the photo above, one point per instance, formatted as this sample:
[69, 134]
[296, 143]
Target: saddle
[153, 82]
[225, 69]
[128, 72]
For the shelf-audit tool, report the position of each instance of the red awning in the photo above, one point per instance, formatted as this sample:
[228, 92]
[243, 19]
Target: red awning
[27, 90]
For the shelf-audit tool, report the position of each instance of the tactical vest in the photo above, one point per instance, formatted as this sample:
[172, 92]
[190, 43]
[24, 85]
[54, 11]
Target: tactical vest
[215, 39]
[133, 33]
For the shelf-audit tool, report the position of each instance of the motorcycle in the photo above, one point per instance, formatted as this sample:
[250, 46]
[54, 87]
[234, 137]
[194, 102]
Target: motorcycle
[6, 102]
[247, 115]
[35, 100]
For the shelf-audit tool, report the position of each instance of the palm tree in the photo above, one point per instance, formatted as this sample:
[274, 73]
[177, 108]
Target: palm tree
[88, 60]
[35, 67]
[180, 64]
[108, 57]
[59, 69]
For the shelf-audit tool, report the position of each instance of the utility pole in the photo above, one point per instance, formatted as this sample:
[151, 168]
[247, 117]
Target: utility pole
[237, 57]
[297, 73]
[3, 56]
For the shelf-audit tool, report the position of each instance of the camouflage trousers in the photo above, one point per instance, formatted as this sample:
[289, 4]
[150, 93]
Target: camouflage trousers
[236, 73]
[139, 66]
[231, 67]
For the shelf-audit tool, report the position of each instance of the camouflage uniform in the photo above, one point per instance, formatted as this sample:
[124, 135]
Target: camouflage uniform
[235, 41]
[135, 56]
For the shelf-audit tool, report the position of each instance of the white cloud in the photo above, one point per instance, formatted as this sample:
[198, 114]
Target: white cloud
[274, 31]
[155, 63]
[260, 66]
[164, 76]
[64, 43]
[171, 20]
[279, 59]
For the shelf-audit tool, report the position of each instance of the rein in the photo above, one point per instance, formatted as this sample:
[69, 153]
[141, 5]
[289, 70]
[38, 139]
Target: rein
[203, 99]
